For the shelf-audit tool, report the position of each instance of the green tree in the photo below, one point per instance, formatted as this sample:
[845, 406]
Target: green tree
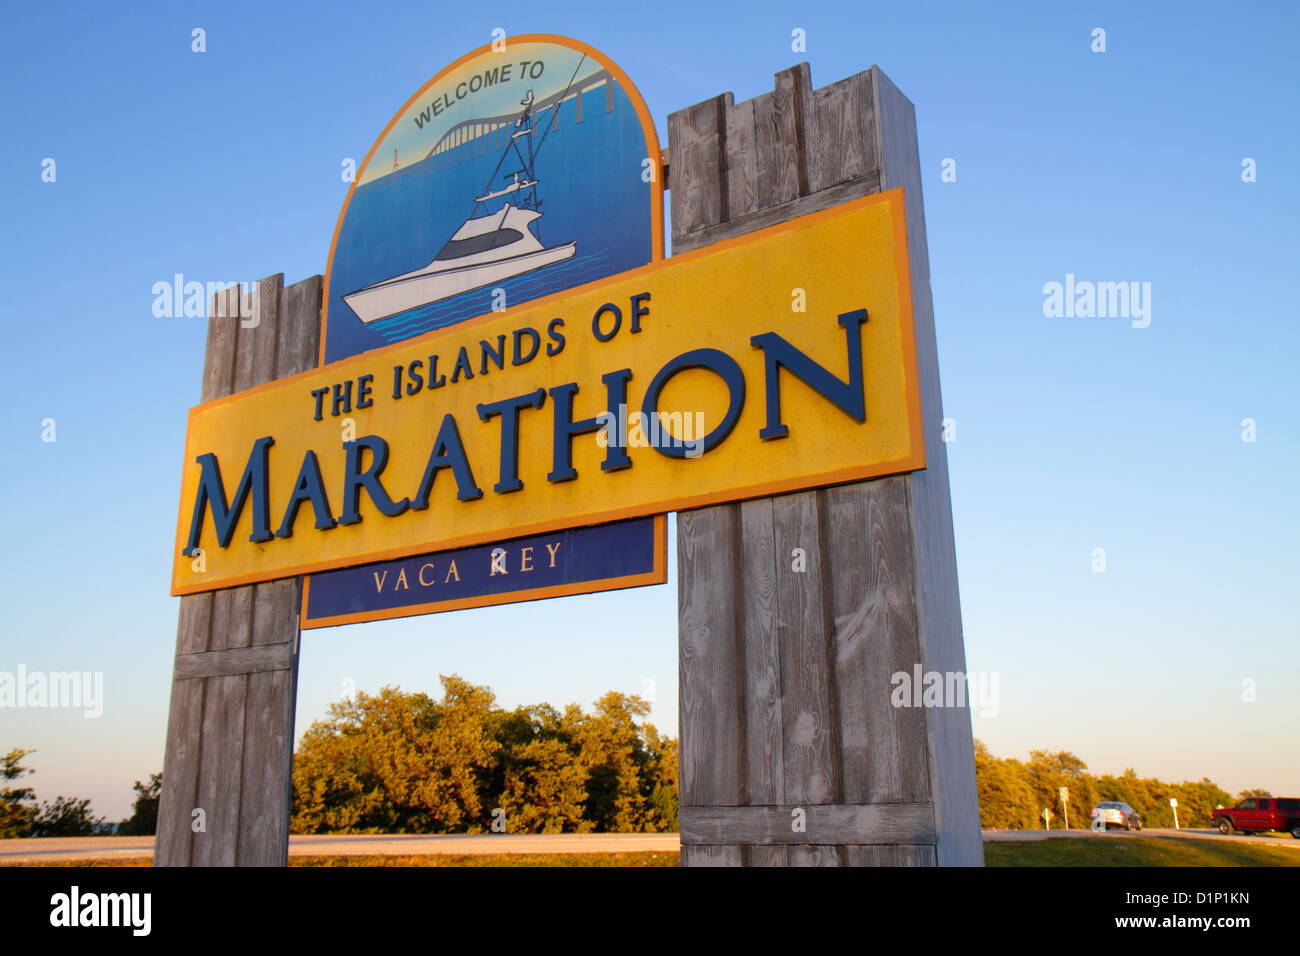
[144, 817]
[661, 778]
[614, 756]
[17, 804]
[401, 762]
[1257, 792]
[1007, 800]
[66, 816]
[397, 762]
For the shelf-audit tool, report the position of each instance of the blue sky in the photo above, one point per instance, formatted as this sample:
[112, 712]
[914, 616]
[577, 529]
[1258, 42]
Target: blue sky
[1072, 434]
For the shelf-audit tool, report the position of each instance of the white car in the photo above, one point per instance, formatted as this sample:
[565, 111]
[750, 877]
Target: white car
[1114, 813]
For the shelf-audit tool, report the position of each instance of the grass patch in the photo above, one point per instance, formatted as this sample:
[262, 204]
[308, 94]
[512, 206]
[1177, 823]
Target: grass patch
[1136, 851]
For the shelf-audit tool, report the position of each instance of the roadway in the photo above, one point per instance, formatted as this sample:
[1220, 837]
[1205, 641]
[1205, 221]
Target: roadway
[57, 849]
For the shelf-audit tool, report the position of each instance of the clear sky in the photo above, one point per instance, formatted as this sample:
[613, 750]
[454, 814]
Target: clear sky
[1072, 434]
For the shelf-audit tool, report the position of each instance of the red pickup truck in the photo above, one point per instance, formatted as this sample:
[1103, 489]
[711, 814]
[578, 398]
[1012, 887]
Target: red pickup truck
[1259, 814]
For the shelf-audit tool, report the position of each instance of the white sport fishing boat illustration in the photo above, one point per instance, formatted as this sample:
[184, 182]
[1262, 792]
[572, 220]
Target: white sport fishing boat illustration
[488, 248]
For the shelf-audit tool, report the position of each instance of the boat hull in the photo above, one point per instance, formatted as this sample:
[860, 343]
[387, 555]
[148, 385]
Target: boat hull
[422, 288]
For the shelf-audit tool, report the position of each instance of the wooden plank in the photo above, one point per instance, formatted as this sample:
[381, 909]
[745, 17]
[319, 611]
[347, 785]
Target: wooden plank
[872, 575]
[710, 856]
[766, 855]
[841, 137]
[299, 333]
[232, 618]
[240, 660]
[814, 855]
[276, 605]
[219, 358]
[265, 797]
[950, 744]
[762, 218]
[780, 118]
[709, 668]
[808, 714]
[179, 793]
[182, 757]
[764, 731]
[258, 323]
[742, 160]
[698, 136]
[220, 771]
[195, 623]
[890, 855]
[901, 823]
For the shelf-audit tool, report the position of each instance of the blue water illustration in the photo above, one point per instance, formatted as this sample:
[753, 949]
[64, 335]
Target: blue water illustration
[591, 192]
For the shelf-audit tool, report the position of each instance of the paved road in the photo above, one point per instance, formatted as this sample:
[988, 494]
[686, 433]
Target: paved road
[1275, 839]
[52, 849]
[110, 848]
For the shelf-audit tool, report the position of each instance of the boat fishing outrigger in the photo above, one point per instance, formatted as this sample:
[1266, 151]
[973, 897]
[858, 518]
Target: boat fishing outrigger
[486, 249]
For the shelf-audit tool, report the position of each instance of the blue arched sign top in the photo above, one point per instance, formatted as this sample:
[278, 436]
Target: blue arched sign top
[525, 168]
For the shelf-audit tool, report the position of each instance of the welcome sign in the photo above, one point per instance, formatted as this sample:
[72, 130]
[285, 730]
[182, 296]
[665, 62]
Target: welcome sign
[778, 361]
[476, 196]
[524, 168]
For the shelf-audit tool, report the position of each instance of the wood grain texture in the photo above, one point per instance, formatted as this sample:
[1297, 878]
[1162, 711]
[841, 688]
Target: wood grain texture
[258, 327]
[774, 215]
[219, 358]
[780, 121]
[710, 856]
[221, 766]
[842, 135]
[814, 856]
[808, 714]
[890, 855]
[875, 625]
[266, 794]
[742, 160]
[950, 743]
[764, 728]
[708, 658]
[810, 654]
[698, 138]
[180, 773]
[891, 823]
[239, 660]
[230, 730]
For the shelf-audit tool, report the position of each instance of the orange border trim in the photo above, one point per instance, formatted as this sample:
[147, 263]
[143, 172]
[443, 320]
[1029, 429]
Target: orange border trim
[658, 575]
[653, 151]
[914, 462]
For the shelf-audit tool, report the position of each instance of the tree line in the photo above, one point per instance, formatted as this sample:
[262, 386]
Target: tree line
[397, 762]
[1013, 793]
[22, 816]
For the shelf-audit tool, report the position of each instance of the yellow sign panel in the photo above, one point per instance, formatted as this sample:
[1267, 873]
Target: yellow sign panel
[777, 361]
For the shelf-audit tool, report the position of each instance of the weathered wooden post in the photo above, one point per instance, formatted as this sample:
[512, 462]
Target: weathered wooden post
[226, 773]
[791, 753]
